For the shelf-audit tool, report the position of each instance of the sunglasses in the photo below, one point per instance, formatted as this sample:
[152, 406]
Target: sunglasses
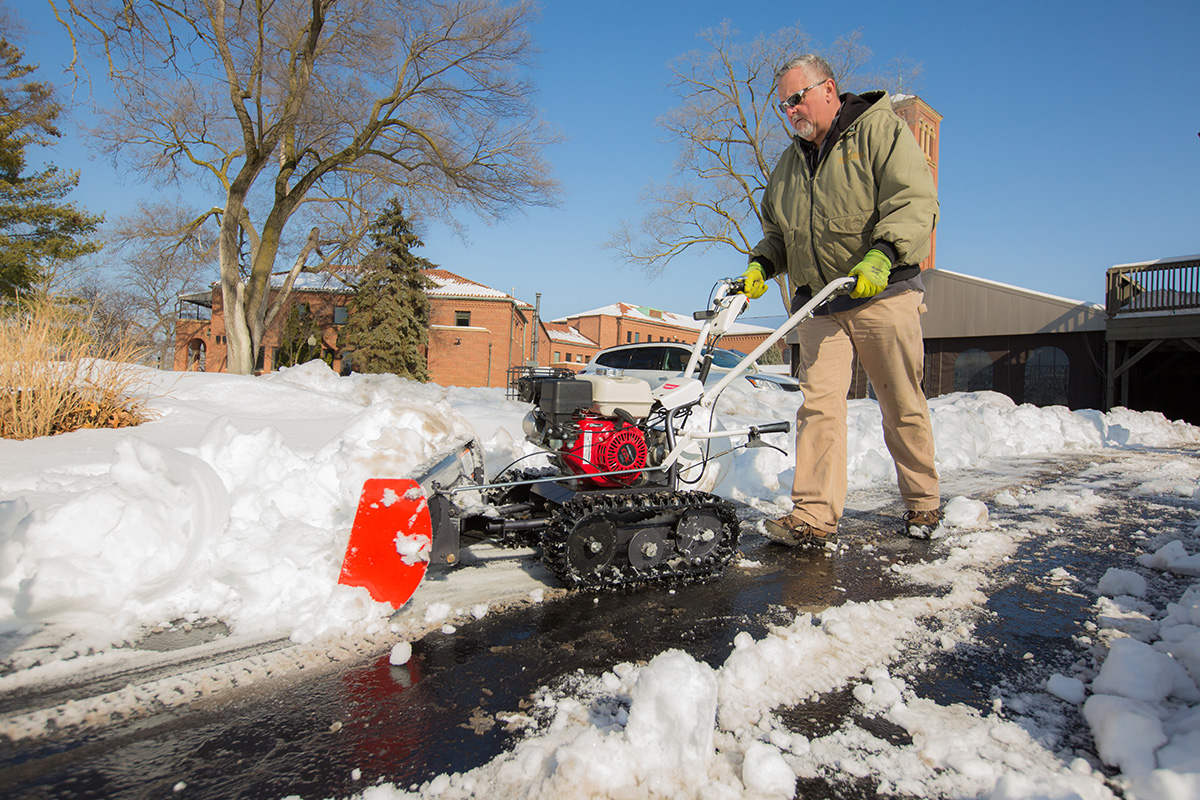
[796, 99]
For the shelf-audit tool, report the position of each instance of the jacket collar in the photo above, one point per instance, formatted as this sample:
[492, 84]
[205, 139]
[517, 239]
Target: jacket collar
[853, 106]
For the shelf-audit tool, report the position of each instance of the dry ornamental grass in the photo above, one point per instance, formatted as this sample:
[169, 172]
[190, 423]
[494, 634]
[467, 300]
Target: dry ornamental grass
[57, 375]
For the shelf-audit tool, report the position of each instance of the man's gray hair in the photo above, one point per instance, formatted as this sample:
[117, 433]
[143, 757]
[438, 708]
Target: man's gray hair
[813, 65]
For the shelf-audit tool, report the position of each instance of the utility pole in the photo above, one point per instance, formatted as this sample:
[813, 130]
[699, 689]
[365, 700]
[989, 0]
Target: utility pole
[537, 312]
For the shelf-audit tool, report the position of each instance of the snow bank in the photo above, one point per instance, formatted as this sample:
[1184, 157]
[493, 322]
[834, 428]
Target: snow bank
[236, 503]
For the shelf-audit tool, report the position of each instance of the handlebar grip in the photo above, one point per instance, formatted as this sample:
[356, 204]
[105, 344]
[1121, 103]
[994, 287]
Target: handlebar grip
[771, 427]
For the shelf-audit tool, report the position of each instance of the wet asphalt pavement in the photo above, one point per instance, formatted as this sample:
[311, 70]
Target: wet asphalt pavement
[343, 730]
[435, 714]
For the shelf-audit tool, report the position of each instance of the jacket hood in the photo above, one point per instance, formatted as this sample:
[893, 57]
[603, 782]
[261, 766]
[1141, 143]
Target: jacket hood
[853, 107]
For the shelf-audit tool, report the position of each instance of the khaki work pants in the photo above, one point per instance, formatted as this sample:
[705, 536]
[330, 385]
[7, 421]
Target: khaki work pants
[887, 335]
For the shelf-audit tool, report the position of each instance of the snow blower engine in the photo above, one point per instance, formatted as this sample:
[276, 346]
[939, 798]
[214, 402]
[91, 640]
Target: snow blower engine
[595, 427]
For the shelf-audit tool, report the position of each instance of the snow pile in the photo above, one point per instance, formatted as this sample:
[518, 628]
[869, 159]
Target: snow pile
[1144, 703]
[245, 523]
[968, 428]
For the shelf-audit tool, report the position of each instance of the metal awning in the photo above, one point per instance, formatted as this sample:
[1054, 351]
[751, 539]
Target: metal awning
[197, 298]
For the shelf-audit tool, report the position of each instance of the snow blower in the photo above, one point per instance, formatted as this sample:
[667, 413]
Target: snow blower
[622, 502]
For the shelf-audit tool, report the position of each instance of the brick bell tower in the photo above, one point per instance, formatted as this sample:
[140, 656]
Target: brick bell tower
[925, 124]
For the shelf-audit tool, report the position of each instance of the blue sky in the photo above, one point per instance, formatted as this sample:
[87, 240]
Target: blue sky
[1069, 141]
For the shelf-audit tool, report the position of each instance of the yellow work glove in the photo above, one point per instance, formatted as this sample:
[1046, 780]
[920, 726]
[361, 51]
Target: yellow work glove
[754, 281]
[872, 273]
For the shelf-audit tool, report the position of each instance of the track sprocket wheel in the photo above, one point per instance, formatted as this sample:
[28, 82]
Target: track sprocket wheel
[592, 545]
[698, 533]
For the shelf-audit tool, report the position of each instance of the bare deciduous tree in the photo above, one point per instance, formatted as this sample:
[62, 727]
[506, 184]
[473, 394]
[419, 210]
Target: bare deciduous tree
[273, 104]
[730, 134]
[162, 254]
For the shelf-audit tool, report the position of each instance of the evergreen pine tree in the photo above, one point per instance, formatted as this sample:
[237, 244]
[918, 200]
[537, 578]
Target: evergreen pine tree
[388, 326]
[36, 227]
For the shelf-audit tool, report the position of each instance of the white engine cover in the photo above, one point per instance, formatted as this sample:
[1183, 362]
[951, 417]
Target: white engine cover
[609, 393]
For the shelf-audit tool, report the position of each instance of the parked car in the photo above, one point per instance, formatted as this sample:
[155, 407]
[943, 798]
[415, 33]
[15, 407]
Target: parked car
[657, 362]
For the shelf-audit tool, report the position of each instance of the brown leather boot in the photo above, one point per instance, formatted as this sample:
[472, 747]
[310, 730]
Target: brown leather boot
[922, 524]
[793, 532]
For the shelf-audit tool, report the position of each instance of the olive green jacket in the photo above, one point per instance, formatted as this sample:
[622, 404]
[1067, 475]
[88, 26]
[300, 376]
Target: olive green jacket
[871, 185]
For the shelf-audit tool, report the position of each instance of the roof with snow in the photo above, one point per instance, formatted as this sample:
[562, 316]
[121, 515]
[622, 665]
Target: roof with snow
[564, 334]
[647, 314]
[447, 284]
[315, 282]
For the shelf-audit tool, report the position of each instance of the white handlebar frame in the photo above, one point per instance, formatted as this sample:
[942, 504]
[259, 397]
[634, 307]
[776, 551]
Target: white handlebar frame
[805, 311]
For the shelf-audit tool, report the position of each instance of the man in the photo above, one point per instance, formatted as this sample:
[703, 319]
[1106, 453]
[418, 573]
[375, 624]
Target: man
[852, 196]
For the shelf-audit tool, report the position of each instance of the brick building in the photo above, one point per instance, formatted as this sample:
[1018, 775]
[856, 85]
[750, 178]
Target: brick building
[476, 333]
[568, 348]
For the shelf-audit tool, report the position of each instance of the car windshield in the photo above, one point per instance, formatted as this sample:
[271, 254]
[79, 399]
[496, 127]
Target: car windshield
[726, 359]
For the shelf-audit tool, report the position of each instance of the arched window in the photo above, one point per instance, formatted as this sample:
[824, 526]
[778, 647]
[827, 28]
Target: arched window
[973, 371]
[1046, 372]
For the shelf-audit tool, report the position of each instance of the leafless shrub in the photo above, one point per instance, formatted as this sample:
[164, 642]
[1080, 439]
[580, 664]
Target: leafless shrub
[57, 376]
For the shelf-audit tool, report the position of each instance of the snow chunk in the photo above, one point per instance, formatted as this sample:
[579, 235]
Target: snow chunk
[764, 772]
[413, 548]
[963, 512]
[1127, 732]
[1118, 582]
[1064, 688]
[1172, 557]
[1137, 671]
[673, 714]
[400, 654]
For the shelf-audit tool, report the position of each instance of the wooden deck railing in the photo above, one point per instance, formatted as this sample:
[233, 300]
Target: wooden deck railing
[1162, 286]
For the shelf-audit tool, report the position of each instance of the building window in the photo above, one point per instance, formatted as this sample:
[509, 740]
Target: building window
[557, 356]
[579, 358]
[628, 336]
[340, 315]
[637, 337]
[462, 319]
[973, 371]
[568, 358]
[1046, 374]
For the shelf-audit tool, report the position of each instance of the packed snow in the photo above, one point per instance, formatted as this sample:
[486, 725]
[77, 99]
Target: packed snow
[233, 507]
